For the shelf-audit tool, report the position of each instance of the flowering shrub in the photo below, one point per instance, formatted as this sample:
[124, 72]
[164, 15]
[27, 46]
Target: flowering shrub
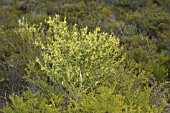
[81, 71]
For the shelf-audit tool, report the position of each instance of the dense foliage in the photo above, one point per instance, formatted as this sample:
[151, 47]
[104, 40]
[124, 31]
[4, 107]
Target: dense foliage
[81, 71]
[108, 53]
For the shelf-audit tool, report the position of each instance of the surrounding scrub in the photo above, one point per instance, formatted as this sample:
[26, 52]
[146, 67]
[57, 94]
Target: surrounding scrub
[129, 71]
